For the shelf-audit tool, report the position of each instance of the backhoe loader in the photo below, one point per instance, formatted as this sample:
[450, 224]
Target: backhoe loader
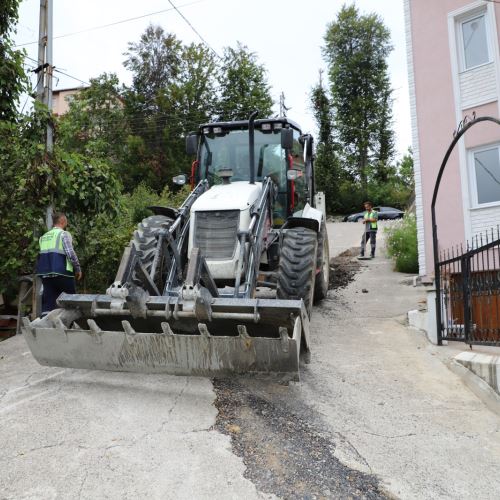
[222, 285]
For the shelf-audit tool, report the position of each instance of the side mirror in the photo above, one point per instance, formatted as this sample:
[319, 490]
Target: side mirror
[180, 180]
[286, 138]
[192, 144]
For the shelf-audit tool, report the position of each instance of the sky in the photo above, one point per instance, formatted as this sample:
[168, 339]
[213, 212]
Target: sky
[286, 36]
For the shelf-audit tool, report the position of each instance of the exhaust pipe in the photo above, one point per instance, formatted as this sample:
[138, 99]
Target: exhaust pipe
[251, 141]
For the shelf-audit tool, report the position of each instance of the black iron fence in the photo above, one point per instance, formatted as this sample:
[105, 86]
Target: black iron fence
[469, 298]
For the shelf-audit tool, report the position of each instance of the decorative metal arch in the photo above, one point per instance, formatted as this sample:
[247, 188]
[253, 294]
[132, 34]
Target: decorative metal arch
[464, 126]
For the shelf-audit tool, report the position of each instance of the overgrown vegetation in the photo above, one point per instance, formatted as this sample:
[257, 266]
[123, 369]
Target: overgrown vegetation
[101, 247]
[401, 243]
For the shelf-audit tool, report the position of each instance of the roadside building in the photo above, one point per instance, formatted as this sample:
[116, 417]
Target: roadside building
[61, 99]
[453, 66]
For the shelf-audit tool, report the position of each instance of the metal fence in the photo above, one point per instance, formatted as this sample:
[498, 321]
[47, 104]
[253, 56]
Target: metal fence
[470, 291]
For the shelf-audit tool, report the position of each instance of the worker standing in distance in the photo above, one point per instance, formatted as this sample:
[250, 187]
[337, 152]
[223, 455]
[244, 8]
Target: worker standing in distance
[57, 264]
[370, 221]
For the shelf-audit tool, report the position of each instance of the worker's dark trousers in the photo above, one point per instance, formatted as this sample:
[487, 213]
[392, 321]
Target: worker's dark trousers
[369, 236]
[52, 288]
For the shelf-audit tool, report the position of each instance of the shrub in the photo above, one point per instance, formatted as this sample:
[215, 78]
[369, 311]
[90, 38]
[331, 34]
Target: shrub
[101, 249]
[402, 244]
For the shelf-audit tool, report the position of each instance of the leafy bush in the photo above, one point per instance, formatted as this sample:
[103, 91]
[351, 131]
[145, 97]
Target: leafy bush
[402, 244]
[31, 180]
[101, 249]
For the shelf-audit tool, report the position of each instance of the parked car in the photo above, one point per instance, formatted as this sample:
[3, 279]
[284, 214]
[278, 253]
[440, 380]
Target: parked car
[384, 213]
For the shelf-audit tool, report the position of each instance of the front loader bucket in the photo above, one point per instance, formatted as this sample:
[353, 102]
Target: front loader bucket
[244, 336]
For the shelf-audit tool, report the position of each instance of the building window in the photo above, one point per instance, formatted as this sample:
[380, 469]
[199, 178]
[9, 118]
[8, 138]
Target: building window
[486, 175]
[474, 38]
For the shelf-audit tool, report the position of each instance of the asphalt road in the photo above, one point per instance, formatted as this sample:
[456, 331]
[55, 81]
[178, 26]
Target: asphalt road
[376, 414]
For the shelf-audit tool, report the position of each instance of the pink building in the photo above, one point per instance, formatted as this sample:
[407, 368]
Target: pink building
[453, 66]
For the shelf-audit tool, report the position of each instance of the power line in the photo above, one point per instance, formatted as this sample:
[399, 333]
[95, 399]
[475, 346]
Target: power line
[73, 77]
[62, 72]
[193, 28]
[102, 26]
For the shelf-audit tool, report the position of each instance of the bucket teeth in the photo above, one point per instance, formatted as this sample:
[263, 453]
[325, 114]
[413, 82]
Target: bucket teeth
[246, 339]
[95, 330]
[284, 338]
[93, 326]
[203, 329]
[242, 330]
[127, 328]
[166, 329]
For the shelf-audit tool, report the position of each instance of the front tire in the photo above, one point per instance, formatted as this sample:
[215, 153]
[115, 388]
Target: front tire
[144, 242]
[297, 266]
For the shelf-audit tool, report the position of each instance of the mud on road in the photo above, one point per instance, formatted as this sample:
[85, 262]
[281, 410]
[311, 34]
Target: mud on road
[284, 453]
[343, 269]
[282, 442]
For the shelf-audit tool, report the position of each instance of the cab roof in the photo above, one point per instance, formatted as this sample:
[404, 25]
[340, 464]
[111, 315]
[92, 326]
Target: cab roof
[243, 124]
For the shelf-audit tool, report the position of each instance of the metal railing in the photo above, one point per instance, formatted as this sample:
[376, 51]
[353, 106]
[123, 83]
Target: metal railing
[469, 298]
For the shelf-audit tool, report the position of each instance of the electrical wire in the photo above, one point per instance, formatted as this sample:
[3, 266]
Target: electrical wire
[63, 73]
[39, 77]
[193, 28]
[93, 28]
[71, 76]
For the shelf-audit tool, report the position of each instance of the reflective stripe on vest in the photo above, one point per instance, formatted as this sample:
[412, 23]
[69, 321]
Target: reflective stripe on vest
[372, 215]
[52, 258]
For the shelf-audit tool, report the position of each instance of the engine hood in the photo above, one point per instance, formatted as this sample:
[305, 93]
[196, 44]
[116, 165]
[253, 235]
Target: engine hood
[235, 196]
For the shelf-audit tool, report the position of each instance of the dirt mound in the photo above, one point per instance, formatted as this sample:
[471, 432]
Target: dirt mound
[343, 269]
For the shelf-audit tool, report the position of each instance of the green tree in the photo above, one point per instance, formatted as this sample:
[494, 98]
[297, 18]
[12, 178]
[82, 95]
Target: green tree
[405, 170]
[12, 76]
[356, 50]
[154, 62]
[96, 124]
[243, 85]
[173, 91]
[188, 101]
[327, 165]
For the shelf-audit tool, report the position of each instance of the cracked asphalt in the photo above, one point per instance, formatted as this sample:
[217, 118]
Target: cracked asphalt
[376, 414]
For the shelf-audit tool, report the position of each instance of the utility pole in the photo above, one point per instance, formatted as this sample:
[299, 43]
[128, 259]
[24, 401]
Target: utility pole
[283, 108]
[44, 71]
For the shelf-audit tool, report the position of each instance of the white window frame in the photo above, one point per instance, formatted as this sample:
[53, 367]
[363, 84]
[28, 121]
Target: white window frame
[472, 175]
[459, 22]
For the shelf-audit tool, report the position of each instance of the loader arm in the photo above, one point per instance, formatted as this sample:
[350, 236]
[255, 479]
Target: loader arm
[252, 241]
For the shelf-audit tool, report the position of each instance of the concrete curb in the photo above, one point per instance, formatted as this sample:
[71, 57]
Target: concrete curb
[475, 383]
[485, 366]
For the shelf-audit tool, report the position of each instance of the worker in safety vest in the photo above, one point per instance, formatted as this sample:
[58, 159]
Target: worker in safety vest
[57, 263]
[370, 222]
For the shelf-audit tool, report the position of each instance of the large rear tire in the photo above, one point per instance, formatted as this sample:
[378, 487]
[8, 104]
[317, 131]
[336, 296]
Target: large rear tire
[323, 264]
[297, 267]
[144, 242]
